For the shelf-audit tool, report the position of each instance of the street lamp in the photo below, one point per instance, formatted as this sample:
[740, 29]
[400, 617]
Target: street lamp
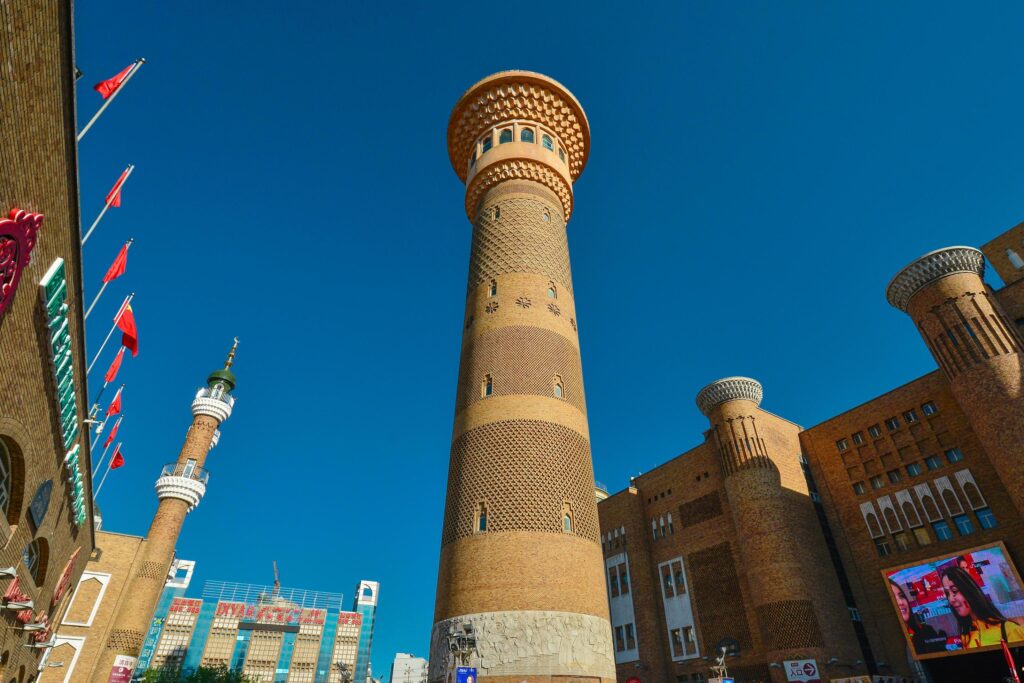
[462, 643]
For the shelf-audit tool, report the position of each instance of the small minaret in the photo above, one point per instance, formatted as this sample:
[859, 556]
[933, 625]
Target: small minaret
[182, 484]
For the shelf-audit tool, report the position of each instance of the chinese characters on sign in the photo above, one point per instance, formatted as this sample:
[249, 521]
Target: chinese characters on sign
[802, 671]
[271, 613]
[17, 238]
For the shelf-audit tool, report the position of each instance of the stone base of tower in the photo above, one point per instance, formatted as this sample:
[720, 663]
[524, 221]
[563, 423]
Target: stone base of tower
[529, 645]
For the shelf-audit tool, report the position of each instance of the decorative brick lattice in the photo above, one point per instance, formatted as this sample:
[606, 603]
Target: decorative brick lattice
[715, 592]
[700, 510]
[125, 640]
[525, 471]
[502, 172]
[521, 241]
[931, 267]
[151, 570]
[521, 361]
[789, 624]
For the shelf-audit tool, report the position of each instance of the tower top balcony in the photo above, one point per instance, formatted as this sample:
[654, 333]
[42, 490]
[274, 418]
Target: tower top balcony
[933, 266]
[729, 389]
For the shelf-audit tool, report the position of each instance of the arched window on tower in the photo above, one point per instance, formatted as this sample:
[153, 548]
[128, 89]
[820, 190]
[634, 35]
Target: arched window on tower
[547, 216]
[12, 478]
[567, 518]
[497, 212]
[493, 288]
[487, 386]
[481, 518]
[561, 154]
[35, 557]
[505, 136]
[552, 291]
[526, 135]
[556, 386]
[547, 142]
[1015, 260]
[488, 142]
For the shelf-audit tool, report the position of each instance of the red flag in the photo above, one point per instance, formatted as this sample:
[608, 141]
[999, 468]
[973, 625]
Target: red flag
[114, 196]
[118, 460]
[113, 433]
[110, 86]
[130, 337]
[116, 269]
[114, 367]
[1009, 661]
[115, 406]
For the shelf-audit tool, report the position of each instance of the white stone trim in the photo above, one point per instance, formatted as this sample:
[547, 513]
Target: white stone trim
[77, 643]
[215, 439]
[215, 408]
[942, 484]
[530, 643]
[729, 389]
[931, 267]
[964, 477]
[103, 579]
[183, 488]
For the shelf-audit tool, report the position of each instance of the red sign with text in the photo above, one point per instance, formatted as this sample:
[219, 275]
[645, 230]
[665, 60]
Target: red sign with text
[17, 239]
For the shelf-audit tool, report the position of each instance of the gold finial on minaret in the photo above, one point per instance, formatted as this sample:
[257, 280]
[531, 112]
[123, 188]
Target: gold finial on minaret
[231, 355]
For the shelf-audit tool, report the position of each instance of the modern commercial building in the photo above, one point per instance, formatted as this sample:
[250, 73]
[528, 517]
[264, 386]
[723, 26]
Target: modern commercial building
[520, 579]
[365, 605]
[408, 669]
[46, 529]
[836, 547]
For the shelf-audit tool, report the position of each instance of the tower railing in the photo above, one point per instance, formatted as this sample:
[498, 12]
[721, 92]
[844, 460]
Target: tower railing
[186, 470]
[216, 393]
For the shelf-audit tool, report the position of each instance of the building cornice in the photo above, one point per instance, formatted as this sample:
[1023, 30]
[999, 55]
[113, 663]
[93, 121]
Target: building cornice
[729, 389]
[932, 266]
[518, 169]
[517, 95]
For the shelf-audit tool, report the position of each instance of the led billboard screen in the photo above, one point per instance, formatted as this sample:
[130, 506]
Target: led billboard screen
[959, 603]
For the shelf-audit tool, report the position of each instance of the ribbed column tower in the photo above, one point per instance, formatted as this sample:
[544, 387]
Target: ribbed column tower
[180, 487]
[520, 551]
[976, 347]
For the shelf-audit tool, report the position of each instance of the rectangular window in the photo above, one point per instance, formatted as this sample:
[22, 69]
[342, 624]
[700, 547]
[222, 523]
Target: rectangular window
[613, 578]
[914, 469]
[942, 530]
[680, 580]
[954, 455]
[842, 445]
[620, 641]
[630, 638]
[676, 639]
[910, 416]
[882, 546]
[929, 408]
[858, 438]
[858, 488]
[902, 541]
[963, 524]
[986, 518]
[894, 476]
[921, 536]
[877, 482]
[875, 431]
[892, 424]
[854, 613]
[932, 462]
[689, 642]
[666, 581]
[623, 579]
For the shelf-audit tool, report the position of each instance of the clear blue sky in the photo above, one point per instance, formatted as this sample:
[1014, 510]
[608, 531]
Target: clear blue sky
[759, 172]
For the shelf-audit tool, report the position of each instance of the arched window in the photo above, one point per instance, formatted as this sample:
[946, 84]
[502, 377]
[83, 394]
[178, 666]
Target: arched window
[487, 143]
[1015, 260]
[556, 385]
[35, 557]
[973, 495]
[910, 512]
[547, 216]
[952, 504]
[526, 135]
[873, 526]
[561, 154]
[552, 291]
[5, 478]
[472, 159]
[892, 520]
[547, 142]
[481, 518]
[505, 136]
[12, 480]
[567, 518]
[494, 288]
[487, 386]
[930, 509]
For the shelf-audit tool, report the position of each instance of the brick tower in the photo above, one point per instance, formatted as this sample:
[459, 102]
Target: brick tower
[521, 570]
[180, 487]
[976, 347]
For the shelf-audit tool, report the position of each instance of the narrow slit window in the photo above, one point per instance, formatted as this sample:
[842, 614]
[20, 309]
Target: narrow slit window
[497, 212]
[552, 291]
[561, 154]
[481, 518]
[487, 386]
[547, 142]
[494, 288]
[487, 143]
[556, 387]
[547, 216]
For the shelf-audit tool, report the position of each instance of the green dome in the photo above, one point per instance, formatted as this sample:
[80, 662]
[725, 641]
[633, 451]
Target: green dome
[225, 376]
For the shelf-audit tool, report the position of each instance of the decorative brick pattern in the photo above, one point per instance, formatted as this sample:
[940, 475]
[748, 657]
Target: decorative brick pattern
[789, 624]
[151, 570]
[931, 267]
[125, 640]
[716, 596]
[518, 169]
[524, 470]
[521, 360]
[519, 241]
[700, 510]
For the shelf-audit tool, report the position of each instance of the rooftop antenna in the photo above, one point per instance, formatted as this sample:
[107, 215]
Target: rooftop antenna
[277, 581]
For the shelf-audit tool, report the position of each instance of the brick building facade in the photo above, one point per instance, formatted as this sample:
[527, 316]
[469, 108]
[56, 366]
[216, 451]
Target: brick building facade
[770, 540]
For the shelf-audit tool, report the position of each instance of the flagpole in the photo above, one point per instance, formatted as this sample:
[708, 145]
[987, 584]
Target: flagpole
[95, 495]
[128, 172]
[106, 450]
[102, 423]
[120, 87]
[117, 317]
[127, 246]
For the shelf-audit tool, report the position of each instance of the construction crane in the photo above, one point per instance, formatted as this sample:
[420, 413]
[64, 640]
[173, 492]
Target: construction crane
[277, 581]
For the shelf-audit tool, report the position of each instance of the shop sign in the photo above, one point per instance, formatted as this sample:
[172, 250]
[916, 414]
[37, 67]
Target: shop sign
[17, 239]
[802, 670]
[65, 578]
[271, 614]
[122, 669]
[185, 606]
[465, 674]
[53, 290]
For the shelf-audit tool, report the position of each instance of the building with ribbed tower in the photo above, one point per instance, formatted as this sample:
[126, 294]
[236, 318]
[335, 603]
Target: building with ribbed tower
[520, 591]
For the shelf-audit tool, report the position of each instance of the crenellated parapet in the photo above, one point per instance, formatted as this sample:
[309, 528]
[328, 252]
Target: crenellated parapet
[933, 266]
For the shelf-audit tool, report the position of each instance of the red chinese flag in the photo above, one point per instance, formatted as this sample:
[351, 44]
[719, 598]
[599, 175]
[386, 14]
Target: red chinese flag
[130, 337]
[110, 86]
[116, 269]
[115, 406]
[113, 433]
[118, 460]
[114, 196]
[114, 367]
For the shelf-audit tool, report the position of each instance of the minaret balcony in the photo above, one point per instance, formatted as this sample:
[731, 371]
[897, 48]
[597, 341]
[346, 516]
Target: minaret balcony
[183, 481]
[214, 402]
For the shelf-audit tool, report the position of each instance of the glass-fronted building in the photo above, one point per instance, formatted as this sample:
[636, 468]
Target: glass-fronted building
[365, 605]
[268, 633]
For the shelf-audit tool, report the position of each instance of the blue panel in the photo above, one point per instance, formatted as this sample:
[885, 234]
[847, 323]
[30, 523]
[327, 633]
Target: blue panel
[326, 646]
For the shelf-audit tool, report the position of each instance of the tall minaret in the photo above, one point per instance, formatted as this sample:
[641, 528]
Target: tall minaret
[977, 348]
[521, 570]
[180, 487]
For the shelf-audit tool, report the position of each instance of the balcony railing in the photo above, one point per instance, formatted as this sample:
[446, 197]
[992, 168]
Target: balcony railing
[185, 470]
[216, 393]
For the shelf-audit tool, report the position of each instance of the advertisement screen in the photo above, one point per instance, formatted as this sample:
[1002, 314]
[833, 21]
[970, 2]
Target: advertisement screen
[959, 603]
